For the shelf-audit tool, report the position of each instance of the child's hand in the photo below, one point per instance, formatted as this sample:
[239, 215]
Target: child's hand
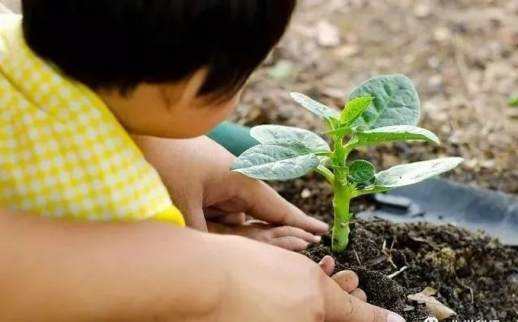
[197, 174]
[291, 238]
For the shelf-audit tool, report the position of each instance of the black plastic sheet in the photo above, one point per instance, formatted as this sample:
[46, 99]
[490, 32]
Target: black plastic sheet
[442, 201]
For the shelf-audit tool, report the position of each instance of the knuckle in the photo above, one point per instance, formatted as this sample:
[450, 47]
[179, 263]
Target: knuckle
[294, 243]
[300, 232]
[350, 307]
[379, 315]
[267, 237]
[284, 230]
[280, 219]
[360, 294]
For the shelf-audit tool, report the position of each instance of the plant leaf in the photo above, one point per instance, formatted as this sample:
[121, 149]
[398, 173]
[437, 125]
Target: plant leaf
[396, 133]
[289, 136]
[315, 107]
[361, 171]
[396, 102]
[355, 108]
[408, 174]
[273, 162]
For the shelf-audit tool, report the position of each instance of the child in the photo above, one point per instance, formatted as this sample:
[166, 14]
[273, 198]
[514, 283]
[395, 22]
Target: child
[88, 88]
[70, 158]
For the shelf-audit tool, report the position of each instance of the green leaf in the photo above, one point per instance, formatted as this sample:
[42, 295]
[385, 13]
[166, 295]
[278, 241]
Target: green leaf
[395, 133]
[396, 102]
[513, 101]
[315, 107]
[361, 171]
[355, 108]
[273, 162]
[288, 136]
[408, 174]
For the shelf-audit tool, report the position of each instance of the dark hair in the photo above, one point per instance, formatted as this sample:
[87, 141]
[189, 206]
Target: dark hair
[117, 44]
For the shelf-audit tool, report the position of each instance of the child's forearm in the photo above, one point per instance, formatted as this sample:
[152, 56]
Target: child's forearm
[57, 271]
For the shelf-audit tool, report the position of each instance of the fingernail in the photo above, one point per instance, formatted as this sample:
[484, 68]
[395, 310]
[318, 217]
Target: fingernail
[393, 317]
[317, 239]
[321, 225]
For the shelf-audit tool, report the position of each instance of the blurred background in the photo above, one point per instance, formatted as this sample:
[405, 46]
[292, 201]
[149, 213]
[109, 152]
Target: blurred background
[462, 55]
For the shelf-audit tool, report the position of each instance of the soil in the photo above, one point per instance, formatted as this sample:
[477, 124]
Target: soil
[474, 275]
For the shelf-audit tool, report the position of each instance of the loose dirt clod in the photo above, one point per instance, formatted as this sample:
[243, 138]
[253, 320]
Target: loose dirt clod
[439, 310]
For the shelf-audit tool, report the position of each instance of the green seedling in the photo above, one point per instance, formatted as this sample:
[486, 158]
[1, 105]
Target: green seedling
[382, 110]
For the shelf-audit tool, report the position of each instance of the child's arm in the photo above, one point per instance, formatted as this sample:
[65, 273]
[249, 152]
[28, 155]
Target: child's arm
[57, 271]
[62, 271]
[197, 174]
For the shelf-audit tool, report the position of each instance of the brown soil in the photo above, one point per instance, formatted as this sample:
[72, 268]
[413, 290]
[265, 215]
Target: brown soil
[474, 275]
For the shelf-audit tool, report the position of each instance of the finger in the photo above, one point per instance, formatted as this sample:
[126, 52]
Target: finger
[342, 307]
[290, 243]
[286, 231]
[194, 218]
[217, 228]
[347, 280]
[328, 264]
[359, 294]
[233, 219]
[225, 218]
[214, 213]
[266, 204]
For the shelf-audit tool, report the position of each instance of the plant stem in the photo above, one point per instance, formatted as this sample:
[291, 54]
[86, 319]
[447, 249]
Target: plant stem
[341, 202]
[326, 173]
[342, 196]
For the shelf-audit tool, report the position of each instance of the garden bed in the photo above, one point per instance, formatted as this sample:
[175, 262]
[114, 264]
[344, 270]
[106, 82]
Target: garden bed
[473, 274]
[461, 54]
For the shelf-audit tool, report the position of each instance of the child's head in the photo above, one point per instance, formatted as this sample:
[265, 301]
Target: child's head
[172, 68]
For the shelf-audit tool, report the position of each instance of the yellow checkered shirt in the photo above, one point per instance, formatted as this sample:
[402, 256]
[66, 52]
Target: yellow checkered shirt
[62, 153]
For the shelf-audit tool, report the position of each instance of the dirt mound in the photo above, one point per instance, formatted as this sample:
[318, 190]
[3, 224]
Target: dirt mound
[474, 275]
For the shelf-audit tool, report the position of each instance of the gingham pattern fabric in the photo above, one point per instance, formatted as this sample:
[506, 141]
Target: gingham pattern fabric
[62, 153]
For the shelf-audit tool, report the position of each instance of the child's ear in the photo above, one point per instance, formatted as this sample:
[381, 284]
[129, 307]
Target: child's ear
[184, 92]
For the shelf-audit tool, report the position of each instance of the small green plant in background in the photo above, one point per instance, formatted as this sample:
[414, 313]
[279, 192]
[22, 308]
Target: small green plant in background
[513, 101]
[383, 109]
